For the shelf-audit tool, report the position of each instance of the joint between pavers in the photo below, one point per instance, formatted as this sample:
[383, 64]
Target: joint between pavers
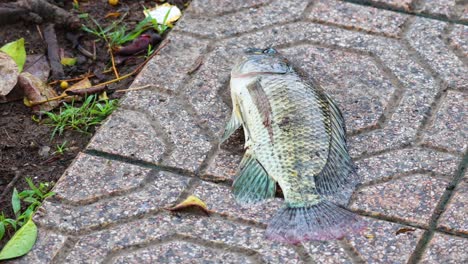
[446, 37]
[218, 246]
[223, 13]
[65, 250]
[416, 13]
[390, 219]
[440, 208]
[351, 251]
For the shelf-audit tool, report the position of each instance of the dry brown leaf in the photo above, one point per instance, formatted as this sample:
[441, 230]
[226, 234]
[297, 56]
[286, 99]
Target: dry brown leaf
[192, 202]
[36, 90]
[9, 74]
[83, 84]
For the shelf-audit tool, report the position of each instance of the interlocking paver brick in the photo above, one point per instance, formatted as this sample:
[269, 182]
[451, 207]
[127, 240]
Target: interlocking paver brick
[450, 125]
[129, 133]
[224, 166]
[411, 198]
[380, 243]
[357, 16]
[161, 191]
[47, 246]
[426, 36]
[405, 161]
[277, 11]
[180, 56]
[458, 38]
[189, 144]
[446, 8]
[353, 81]
[108, 178]
[207, 230]
[182, 252]
[215, 7]
[327, 252]
[221, 200]
[455, 217]
[203, 91]
[399, 4]
[446, 249]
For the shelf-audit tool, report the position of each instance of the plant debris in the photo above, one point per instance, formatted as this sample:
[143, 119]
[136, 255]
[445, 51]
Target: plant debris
[188, 205]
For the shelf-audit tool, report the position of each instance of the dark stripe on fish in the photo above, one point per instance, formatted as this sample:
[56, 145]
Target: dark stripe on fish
[263, 104]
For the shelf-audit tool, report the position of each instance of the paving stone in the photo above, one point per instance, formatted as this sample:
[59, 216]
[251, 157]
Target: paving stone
[444, 8]
[329, 252]
[167, 68]
[224, 166]
[205, 230]
[446, 249]
[426, 36]
[398, 4]
[357, 16]
[458, 38]
[455, 217]
[161, 191]
[214, 7]
[450, 124]
[182, 252]
[47, 246]
[221, 200]
[189, 144]
[252, 18]
[380, 243]
[90, 178]
[411, 198]
[352, 80]
[405, 161]
[204, 90]
[130, 134]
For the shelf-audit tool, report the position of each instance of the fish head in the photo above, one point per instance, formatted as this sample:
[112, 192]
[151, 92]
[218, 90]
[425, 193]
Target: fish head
[256, 61]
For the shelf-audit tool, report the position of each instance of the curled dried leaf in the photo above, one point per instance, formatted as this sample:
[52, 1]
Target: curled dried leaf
[192, 202]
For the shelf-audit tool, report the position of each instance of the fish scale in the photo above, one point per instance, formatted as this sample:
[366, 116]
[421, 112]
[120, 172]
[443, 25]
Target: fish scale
[295, 136]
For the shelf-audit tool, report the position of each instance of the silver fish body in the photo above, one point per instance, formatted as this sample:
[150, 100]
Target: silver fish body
[295, 136]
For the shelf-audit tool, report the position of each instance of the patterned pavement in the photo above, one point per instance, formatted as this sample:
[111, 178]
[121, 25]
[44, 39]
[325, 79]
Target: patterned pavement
[397, 69]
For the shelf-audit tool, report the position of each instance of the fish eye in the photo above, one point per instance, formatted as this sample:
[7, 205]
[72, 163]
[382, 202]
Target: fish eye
[269, 51]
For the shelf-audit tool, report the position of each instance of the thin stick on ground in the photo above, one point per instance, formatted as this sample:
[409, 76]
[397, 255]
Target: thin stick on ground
[134, 88]
[116, 73]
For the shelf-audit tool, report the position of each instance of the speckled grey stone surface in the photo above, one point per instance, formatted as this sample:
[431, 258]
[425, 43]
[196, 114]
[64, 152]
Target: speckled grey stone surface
[277, 11]
[48, 245]
[162, 189]
[108, 178]
[446, 249]
[426, 36]
[458, 38]
[410, 198]
[131, 134]
[182, 252]
[357, 16]
[380, 243]
[455, 217]
[388, 72]
[449, 128]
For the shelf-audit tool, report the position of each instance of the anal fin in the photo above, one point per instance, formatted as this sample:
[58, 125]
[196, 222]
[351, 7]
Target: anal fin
[253, 184]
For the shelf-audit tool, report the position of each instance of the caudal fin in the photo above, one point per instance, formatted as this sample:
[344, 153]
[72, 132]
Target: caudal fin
[323, 221]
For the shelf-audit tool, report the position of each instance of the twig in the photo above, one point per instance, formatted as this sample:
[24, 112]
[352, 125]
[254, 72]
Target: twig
[40, 32]
[133, 89]
[198, 64]
[53, 51]
[113, 62]
[87, 75]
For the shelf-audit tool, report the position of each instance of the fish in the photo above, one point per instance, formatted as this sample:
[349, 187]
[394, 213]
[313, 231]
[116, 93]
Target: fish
[295, 137]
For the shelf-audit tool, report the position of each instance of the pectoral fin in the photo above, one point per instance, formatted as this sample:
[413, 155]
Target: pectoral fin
[232, 125]
[253, 184]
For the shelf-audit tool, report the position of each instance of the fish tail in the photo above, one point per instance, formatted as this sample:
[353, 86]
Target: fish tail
[322, 221]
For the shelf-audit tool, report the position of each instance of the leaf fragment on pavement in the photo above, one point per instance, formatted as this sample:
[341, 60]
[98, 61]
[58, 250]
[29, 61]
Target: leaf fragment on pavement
[21, 242]
[192, 202]
[16, 51]
[9, 74]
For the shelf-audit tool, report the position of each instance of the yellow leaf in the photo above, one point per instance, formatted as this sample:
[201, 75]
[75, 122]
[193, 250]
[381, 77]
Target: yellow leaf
[189, 203]
[68, 61]
[103, 96]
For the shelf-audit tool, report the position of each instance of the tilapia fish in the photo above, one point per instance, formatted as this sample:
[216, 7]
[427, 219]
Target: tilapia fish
[294, 136]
